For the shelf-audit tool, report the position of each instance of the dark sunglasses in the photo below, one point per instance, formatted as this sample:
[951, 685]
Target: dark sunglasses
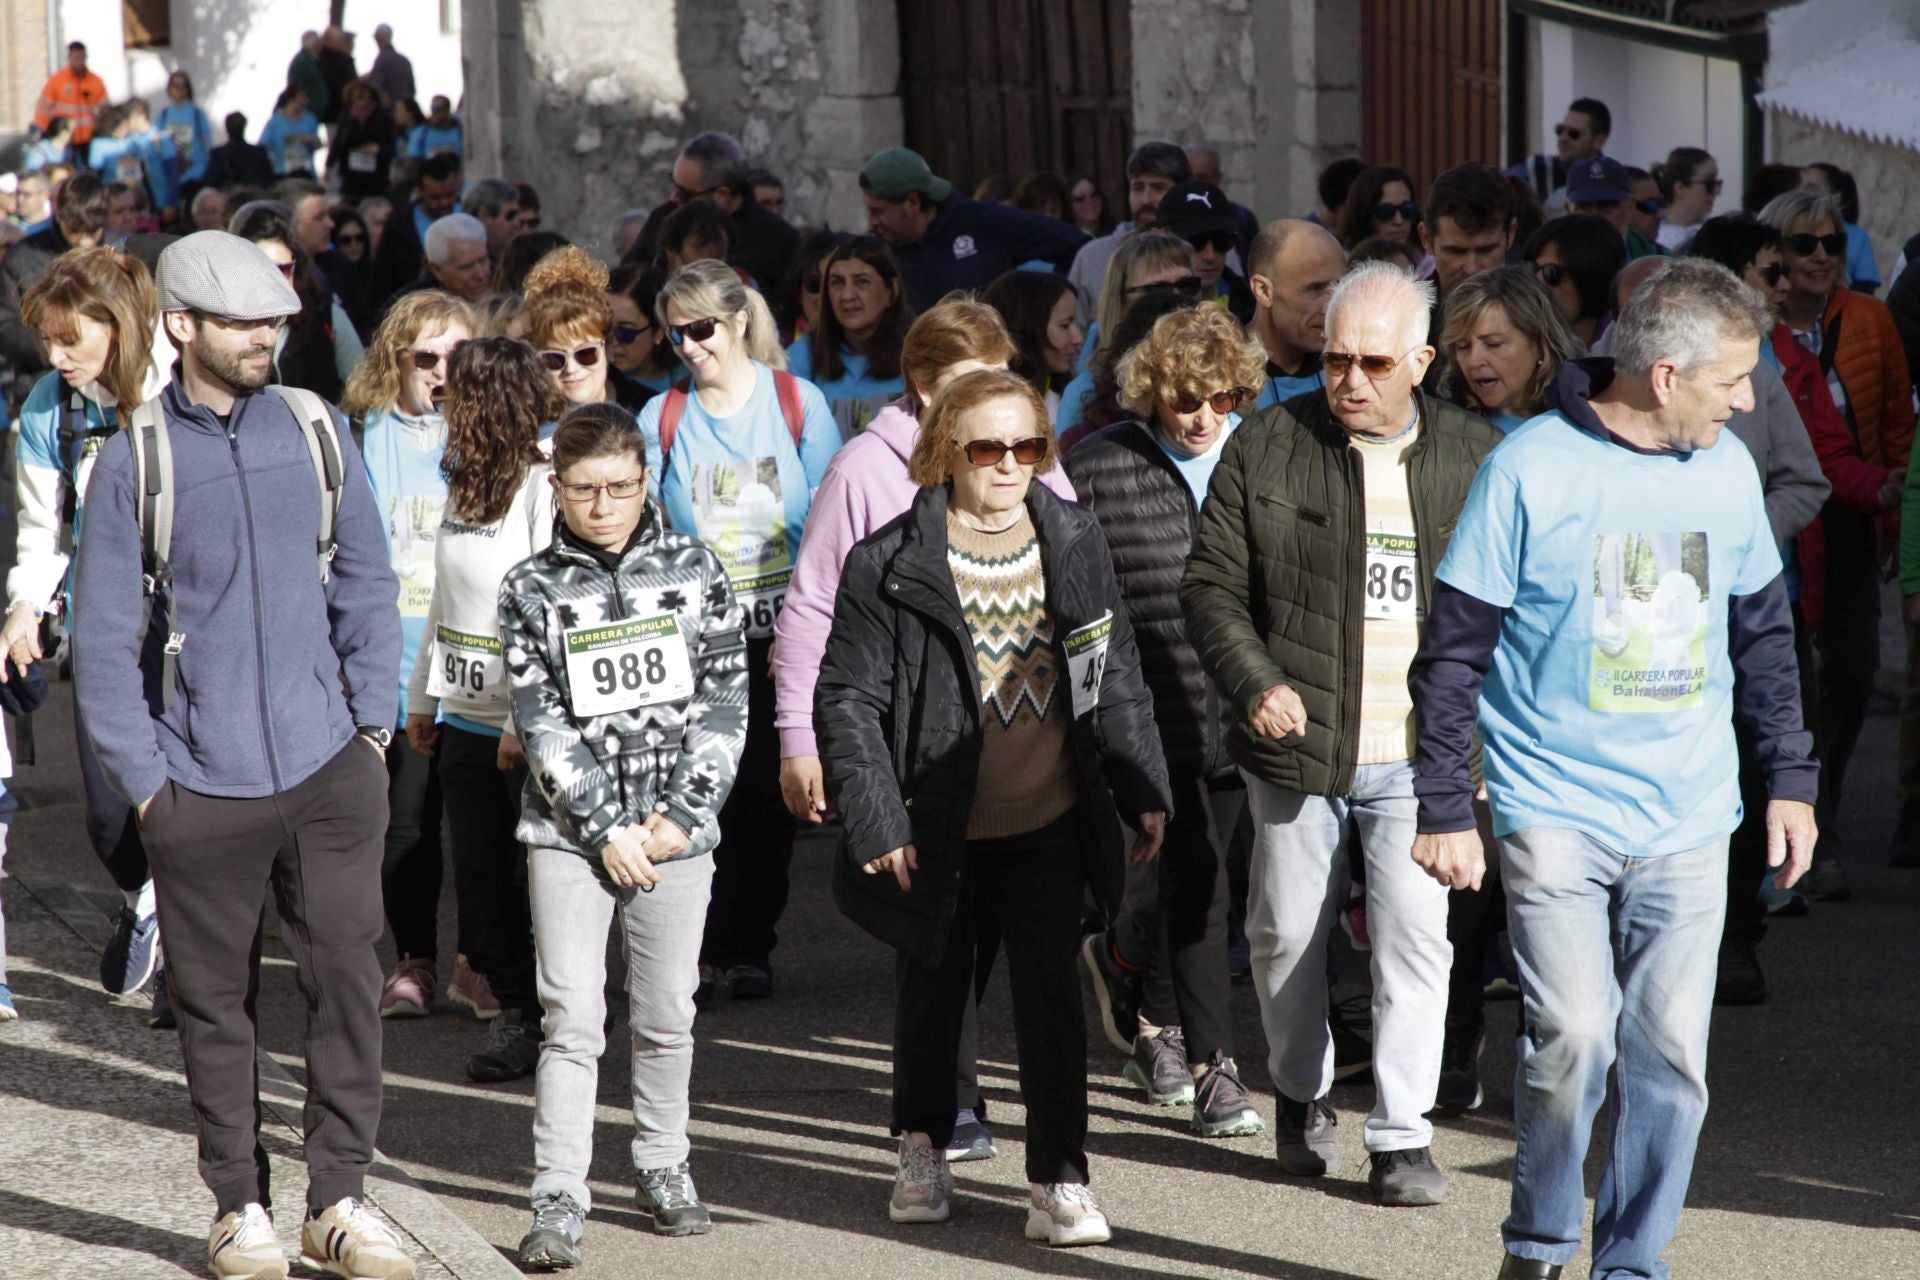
[1189, 285]
[1407, 209]
[1222, 402]
[286, 269]
[1336, 363]
[428, 361]
[1806, 242]
[625, 333]
[351, 237]
[987, 453]
[810, 285]
[1218, 241]
[1562, 131]
[1550, 274]
[1651, 205]
[586, 357]
[688, 195]
[1711, 184]
[698, 330]
[1772, 274]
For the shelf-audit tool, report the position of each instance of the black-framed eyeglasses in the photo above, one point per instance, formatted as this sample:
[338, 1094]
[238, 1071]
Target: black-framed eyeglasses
[586, 357]
[1336, 363]
[1406, 209]
[1569, 132]
[1189, 285]
[1713, 185]
[1550, 274]
[351, 237]
[1221, 402]
[1773, 273]
[1651, 205]
[428, 361]
[688, 195]
[616, 489]
[1806, 242]
[625, 333]
[698, 330]
[987, 453]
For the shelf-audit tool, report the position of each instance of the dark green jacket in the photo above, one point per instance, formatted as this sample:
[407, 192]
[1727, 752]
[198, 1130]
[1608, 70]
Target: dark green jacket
[1273, 588]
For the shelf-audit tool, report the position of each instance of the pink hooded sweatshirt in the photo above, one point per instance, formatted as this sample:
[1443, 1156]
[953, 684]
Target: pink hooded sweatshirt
[865, 486]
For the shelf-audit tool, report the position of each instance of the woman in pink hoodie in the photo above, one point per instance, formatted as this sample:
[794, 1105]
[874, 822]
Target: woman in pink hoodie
[866, 486]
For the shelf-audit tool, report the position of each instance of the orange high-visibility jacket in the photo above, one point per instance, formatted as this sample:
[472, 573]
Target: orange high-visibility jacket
[75, 97]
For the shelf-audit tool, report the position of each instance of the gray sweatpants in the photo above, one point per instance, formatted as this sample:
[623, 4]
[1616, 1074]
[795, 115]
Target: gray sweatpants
[574, 904]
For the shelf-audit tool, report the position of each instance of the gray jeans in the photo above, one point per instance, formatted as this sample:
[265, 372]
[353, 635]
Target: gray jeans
[574, 905]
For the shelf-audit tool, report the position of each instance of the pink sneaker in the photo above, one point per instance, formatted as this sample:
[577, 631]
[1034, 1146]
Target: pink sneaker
[408, 992]
[472, 990]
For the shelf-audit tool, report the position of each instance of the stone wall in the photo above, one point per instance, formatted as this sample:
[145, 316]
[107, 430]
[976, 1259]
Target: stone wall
[1887, 177]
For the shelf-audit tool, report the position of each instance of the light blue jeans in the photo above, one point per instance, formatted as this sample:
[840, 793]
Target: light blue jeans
[1296, 888]
[1617, 967]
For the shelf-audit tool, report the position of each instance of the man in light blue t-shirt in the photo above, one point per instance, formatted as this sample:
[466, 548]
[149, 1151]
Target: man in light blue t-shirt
[1611, 572]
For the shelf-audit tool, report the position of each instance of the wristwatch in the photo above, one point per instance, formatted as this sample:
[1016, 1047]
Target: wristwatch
[381, 738]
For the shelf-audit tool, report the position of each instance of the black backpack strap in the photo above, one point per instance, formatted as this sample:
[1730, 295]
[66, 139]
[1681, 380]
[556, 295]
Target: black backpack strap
[153, 503]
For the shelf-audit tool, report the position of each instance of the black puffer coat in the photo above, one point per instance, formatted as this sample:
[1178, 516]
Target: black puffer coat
[898, 717]
[1149, 517]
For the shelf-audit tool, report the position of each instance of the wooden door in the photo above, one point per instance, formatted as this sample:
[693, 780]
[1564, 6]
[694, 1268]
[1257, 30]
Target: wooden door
[1430, 84]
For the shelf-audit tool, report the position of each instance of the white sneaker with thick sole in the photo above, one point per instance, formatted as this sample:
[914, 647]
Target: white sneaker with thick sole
[1064, 1213]
[923, 1189]
[243, 1246]
[348, 1240]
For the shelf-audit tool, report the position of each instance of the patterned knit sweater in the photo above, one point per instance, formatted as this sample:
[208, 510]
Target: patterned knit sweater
[1026, 765]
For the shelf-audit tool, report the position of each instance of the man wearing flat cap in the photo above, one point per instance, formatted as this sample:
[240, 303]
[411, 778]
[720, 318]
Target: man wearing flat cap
[245, 720]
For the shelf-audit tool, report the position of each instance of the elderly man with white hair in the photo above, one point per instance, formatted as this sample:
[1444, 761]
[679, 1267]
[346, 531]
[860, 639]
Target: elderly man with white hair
[1304, 596]
[1612, 572]
[457, 256]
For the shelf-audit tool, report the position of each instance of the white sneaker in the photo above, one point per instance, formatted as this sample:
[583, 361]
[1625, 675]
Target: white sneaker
[348, 1240]
[243, 1246]
[1064, 1213]
[923, 1189]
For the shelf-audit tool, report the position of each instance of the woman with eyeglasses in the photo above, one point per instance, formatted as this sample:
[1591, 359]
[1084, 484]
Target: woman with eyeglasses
[1040, 309]
[1863, 273]
[1088, 205]
[1690, 183]
[981, 715]
[569, 320]
[735, 459]
[1140, 263]
[635, 344]
[853, 351]
[499, 510]
[1146, 481]
[1504, 339]
[801, 293]
[1102, 402]
[1576, 256]
[1854, 338]
[317, 349]
[350, 237]
[1379, 203]
[624, 650]
[393, 401]
[186, 128]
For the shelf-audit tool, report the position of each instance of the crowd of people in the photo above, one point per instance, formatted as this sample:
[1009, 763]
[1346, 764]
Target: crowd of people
[1150, 599]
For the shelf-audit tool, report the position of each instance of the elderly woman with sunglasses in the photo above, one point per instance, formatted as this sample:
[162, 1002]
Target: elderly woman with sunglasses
[735, 459]
[981, 715]
[569, 321]
[1146, 482]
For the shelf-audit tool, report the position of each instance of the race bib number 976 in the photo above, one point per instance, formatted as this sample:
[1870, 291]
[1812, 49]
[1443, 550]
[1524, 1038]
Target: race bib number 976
[626, 665]
[467, 667]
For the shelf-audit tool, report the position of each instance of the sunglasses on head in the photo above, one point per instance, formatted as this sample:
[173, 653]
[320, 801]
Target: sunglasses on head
[428, 361]
[1222, 402]
[1806, 242]
[698, 330]
[1336, 363]
[987, 453]
[625, 333]
[1651, 205]
[586, 357]
[1773, 273]
[1550, 274]
[1189, 285]
[1409, 210]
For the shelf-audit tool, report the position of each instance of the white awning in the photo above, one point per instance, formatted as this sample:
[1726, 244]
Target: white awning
[1872, 89]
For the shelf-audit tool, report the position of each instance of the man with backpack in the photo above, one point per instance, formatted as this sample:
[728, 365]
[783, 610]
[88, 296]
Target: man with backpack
[236, 639]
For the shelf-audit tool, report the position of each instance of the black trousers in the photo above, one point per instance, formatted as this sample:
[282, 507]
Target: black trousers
[1032, 886]
[111, 830]
[318, 845]
[752, 863]
[410, 872]
[1849, 654]
[1185, 901]
[489, 865]
[1474, 917]
[1747, 849]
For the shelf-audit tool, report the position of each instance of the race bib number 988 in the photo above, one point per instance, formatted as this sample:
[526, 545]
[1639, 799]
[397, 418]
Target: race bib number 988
[626, 665]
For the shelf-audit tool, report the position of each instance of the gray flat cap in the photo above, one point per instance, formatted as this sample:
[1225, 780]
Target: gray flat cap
[223, 275]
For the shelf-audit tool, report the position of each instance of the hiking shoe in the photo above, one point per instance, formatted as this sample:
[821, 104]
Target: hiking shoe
[1306, 1141]
[1782, 904]
[408, 990]
[708, 987]
[1739, 980]
[554, 1243]
[243, 1246]
[923, 1187]
[669, 1203]
[1063, 1213]
[1459, 1089]
[1826, 882]
[346, 1239]
[971, 1139]
[1221, 1108]
[7, 1012]
[131, 954]
[472, 990]
[160, 1015]
[1159, 1065]
[749, 982]
[1116, 990]
[1407, 1177]
[513, 1049]
[1350, 1023]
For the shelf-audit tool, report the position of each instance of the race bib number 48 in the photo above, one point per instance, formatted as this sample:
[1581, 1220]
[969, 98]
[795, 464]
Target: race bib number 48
[467, 667]
[623, 666]
[1393, 577]
[1087, 662]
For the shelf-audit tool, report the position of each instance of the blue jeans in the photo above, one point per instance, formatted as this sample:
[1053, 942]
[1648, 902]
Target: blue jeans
[1617, 965]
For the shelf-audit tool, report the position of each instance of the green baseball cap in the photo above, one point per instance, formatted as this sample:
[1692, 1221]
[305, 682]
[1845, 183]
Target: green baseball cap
[894, 173]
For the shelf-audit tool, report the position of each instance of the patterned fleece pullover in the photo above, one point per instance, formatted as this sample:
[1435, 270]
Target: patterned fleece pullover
[578, 632]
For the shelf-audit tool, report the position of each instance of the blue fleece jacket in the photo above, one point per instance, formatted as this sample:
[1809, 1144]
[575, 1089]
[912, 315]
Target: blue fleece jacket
[972, 243]
[275, 670]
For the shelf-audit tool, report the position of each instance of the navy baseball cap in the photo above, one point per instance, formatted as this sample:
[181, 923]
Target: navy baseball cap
[1597, 178]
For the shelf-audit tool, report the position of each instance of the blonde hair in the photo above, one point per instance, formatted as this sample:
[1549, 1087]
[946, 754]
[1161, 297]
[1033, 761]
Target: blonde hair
[375, 385]
[112, 288]
[931, 462]
[709, 289]
[958, 327]
[1157, 251]
[566, 294]
[1197, 350]
[1519, 296]
[494, 314]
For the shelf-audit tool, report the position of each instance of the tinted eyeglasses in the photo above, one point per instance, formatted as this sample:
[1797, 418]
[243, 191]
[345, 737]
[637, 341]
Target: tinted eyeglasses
[1772, 273]
[987, 453]
[350, 237]
[625, 333]
[1806, 242]
[1189, 285]
[1563, 131]
[1336, 363]
[581, 493]
[687, 195]
[1550, 274]
[1218, 241]
[1222, 402]
[1651, 205]
[698, 330]
[428, 361]
[286, 269]
[586, 357]
[1408, 210]
[1713, 185]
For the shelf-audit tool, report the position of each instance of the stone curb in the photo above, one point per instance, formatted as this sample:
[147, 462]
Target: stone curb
[438, 1230]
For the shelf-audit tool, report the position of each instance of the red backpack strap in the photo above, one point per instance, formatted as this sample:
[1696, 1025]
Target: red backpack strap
[788, 388]
[674, 404]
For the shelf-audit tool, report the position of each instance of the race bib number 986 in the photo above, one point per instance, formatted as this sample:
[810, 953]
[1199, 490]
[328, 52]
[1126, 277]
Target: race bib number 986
[626, 665]
[1393, 577]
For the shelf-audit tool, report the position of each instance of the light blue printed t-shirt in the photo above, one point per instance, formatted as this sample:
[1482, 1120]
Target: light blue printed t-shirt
[856, 382]
[1609, 708]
